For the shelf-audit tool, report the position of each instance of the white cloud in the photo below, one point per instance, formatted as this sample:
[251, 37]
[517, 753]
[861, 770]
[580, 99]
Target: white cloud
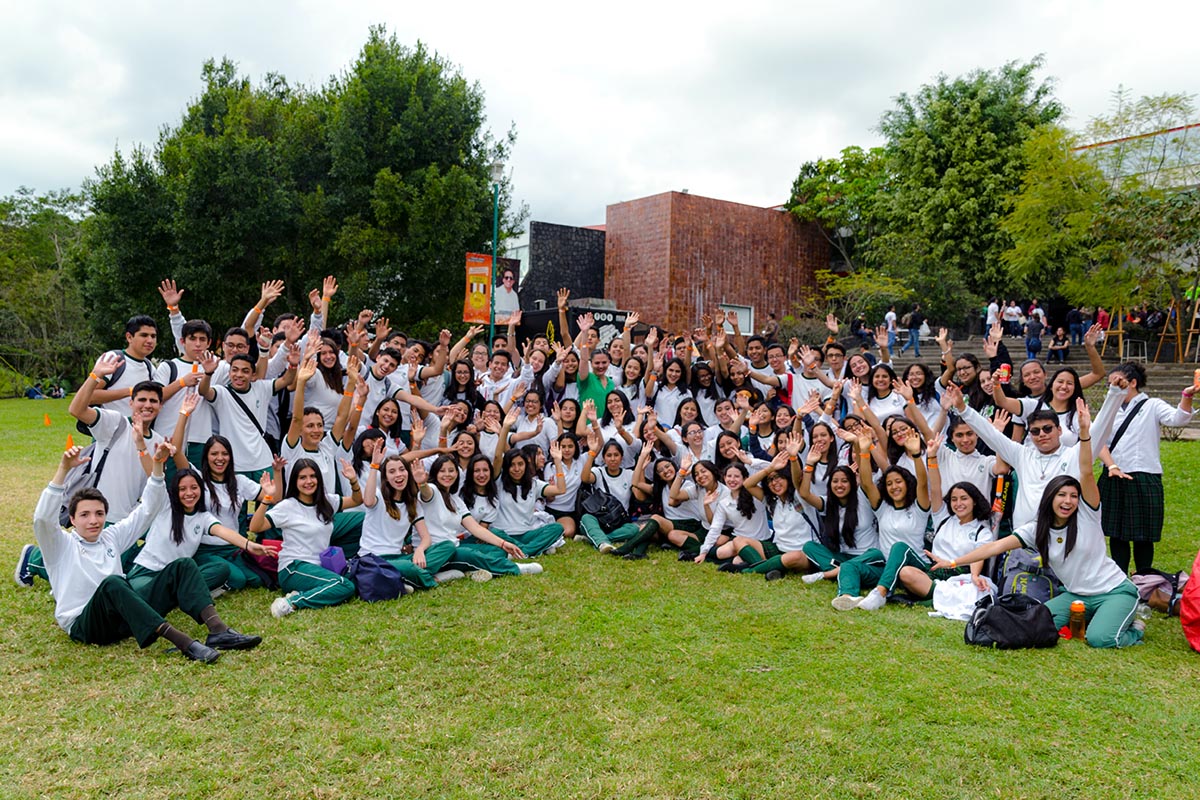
[611, 101]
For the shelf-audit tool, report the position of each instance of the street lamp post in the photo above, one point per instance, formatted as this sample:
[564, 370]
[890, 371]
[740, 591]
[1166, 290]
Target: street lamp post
[497, 174]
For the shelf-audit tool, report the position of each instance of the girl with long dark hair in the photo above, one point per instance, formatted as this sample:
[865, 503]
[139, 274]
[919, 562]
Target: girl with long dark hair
[305, 517]
[1068, 534]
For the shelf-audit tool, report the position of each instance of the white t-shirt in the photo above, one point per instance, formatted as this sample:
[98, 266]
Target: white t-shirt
[993, 314]
[220, 506]
[953, 539]
[897, 525]
[444, 524]
[304, 534]
[515, 514]
[123, 477]
[161, 550]
[974, 468]
[326, 456]
[726, 514]
[199, 423]
[1088, 570]
[250, 450]
[383, 534]
[866, 533]
[619, 486]
[793, 528]
[572, 476]
[889, 319]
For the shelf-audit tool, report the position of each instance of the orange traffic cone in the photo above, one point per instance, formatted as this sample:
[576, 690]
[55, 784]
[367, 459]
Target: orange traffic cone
[46, 420]
[70, 442]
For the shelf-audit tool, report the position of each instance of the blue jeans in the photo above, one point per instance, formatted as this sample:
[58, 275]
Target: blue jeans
[1076, 331]
[914, 341]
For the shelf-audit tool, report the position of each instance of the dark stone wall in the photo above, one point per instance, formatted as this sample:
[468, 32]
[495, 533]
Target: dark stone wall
[562, 255]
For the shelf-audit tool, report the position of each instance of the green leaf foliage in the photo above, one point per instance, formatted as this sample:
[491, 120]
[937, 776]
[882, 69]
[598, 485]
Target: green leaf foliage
[379, 178]
[955, 157]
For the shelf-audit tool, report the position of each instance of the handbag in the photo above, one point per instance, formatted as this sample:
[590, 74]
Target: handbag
[334, 560]
[375, 578]
[602, 505]
[1011, 622]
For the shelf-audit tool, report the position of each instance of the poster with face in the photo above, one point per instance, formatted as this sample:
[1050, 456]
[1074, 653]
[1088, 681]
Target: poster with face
[507, 298]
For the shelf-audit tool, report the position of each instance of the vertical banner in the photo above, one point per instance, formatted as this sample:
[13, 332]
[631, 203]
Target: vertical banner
[478, 300]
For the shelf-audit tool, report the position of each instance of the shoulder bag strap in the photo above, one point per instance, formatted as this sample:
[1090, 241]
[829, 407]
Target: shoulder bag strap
[1112, 443]
[237, 399]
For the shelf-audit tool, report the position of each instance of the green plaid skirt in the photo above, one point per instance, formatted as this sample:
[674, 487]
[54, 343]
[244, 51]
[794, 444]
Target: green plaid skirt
[1132, 511]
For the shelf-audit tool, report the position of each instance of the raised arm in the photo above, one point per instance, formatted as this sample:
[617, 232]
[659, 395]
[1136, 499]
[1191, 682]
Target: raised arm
[179, 437]
[912, 446]
[354, 499]
[80, 407]
[564, 325]
[1089, 491]
[863, 446]
[1094, 361]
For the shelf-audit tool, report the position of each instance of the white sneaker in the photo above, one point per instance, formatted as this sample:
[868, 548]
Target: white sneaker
[281, 608]
[447, 575]
[220, 590]
[845, 602]
[480, 576]
[872, 602]
[813, 577]
[531, 568]
[554, 548]
[607, 547]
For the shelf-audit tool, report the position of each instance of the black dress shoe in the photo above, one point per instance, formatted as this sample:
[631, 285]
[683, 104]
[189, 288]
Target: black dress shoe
[200, 652]
[634, 556]
[774, 575]
[729, 566]
[230, 639]
[684, 555]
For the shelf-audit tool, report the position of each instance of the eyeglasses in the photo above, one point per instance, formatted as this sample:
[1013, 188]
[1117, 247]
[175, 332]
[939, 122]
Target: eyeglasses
[1043, 429]
[508, 278]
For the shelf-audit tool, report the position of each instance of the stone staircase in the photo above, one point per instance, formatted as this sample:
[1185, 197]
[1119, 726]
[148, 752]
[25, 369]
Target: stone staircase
[1164, 380]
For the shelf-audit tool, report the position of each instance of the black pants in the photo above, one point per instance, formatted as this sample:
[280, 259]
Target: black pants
[1143, 554]
[117, 610]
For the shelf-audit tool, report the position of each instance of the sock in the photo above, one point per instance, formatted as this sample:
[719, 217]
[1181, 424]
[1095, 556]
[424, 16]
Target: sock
[210, 618]
[174, 636]
[750, 555]
[774, 562]
[640, 543]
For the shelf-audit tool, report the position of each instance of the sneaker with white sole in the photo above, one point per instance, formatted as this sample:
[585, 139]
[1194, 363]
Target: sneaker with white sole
[21, 574]
[480, 576]
[813, 577]
[872, 602]
[281, 607]
[531, 568]
[220, 590]
[607, 547]
[447, 575]
[845, 602]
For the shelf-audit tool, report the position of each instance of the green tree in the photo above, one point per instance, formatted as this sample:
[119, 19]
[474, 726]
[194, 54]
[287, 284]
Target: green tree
[955, 159]
[43, 333]
[1114, 222]
[379, 178]
[843, 195]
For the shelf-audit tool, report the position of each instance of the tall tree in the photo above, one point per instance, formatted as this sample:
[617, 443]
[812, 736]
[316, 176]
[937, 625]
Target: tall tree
[43, 333]
[843, 195]
[955, 158]
[379, 178]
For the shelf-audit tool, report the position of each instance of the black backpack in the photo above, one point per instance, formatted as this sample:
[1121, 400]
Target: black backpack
[1011, 622]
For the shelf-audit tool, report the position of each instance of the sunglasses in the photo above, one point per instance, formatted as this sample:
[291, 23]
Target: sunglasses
[1043, 429]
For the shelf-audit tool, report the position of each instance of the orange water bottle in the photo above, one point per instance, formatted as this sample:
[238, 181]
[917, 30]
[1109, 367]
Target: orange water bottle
[1075, 624]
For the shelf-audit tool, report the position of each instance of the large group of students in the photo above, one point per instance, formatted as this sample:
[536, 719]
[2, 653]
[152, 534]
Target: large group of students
[241, 460]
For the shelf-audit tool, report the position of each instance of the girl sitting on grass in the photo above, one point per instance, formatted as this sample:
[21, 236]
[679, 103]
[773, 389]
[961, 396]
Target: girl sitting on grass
[961, 523]
[1068, 535]
[305, 516]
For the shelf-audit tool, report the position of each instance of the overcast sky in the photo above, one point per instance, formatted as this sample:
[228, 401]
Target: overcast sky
[611, 101]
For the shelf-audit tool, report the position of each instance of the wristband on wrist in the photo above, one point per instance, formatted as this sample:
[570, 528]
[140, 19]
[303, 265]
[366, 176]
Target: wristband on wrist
[358, 408]
[173, 309]
[184, 413]
[374, 466]
[266, 498]
[809, 468]
[182, 384]
[95, 377]
[953, 564]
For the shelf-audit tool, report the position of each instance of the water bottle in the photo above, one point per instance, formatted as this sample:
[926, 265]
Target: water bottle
[1075, 624]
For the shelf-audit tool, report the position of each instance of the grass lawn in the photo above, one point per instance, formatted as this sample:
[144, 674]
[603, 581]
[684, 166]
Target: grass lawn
[600, 678]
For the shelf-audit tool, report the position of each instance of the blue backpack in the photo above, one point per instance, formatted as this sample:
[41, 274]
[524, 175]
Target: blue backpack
[375, 578]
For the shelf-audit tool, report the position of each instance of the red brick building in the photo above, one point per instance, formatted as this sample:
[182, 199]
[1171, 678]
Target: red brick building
[675, 256]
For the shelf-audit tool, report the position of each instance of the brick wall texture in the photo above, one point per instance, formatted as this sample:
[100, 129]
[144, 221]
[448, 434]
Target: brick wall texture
[563, 256]
[675, 256]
